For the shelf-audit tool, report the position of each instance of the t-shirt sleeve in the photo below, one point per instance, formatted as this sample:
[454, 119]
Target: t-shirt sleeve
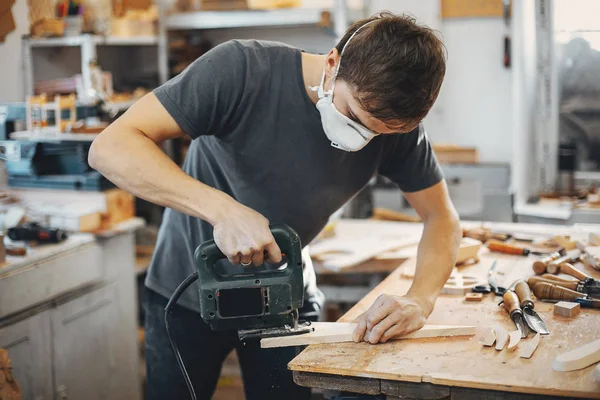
[410, 161]
[203, 98]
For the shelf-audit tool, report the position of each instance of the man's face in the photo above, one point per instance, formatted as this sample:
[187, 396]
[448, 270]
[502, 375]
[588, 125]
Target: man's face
[345, 101]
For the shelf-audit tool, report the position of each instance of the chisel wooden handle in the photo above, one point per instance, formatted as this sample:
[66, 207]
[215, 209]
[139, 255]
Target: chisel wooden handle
[511, 301]
[539, 266]
[548, 291]
[568, 269]
[497, 246]
[522, 290]
[572, 285]
[557, 278]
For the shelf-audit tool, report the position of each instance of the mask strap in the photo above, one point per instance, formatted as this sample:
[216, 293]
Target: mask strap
[337, 68]
[319, 89]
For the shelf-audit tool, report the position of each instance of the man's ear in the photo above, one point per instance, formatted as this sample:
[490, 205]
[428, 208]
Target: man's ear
[331, 62]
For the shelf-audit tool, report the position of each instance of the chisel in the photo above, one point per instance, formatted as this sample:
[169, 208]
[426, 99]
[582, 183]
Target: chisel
[511, 302]
[534, 321]
[548, 291]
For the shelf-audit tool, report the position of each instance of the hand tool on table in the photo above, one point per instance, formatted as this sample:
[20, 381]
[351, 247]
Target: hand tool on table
[34, 232]
[540, 266]
[484, 234]
[571, 284]
[568, 269]
[511, 303]
[587, 257]
[534, 321]
[508, 248]
[258, 303]
[548, 291]
[492, 285]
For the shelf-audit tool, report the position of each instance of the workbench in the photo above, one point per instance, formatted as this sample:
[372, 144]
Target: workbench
[68, 317]
[459, 367]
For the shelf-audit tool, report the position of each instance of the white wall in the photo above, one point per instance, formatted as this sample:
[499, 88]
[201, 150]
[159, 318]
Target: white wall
[475, 101]
[11, 76]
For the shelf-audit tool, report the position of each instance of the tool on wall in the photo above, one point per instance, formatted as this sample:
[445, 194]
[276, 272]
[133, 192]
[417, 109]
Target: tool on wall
[507, 17]
[259, 303]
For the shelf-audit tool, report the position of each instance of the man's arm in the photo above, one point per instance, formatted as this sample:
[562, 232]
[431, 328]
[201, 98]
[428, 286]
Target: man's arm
[391, 316]
[128, 154]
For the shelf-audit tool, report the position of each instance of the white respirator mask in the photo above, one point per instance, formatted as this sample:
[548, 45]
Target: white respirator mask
[344, 133]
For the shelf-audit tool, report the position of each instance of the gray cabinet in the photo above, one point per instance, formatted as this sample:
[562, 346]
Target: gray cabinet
[90, 357]
[69, 322]
[29, 346]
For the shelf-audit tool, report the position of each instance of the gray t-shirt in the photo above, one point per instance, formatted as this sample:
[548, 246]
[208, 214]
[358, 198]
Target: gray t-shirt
[258, 137]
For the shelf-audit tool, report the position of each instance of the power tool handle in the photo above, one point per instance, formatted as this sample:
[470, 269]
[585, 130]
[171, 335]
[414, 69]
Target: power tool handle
[285, 237]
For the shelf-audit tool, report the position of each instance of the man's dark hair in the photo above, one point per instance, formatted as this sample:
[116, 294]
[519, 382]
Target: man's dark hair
[395, 66]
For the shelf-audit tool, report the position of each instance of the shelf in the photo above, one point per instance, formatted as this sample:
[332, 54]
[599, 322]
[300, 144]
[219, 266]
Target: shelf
[53, 137]
[243, 19]
[127, 41]
[72, 41]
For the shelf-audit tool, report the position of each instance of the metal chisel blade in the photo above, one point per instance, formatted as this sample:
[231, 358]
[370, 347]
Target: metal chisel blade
[520, 324]
[535, 322]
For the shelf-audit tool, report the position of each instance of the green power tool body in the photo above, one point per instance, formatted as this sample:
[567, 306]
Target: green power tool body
[258, 303]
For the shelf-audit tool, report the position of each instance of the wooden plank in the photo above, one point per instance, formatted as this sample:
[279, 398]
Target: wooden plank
[462, 361]
[578, 358]
[338, 332]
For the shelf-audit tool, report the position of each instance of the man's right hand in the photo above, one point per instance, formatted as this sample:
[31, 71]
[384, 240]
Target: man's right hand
[243, 235]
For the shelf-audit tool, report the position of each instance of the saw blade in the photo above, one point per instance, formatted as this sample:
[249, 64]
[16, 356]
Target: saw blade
[286, 330]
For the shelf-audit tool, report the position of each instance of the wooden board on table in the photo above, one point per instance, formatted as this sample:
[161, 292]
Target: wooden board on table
[463, 361]
[338, 332]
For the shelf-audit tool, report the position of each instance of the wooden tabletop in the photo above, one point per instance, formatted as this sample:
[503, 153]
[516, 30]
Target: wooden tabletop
[463, 362]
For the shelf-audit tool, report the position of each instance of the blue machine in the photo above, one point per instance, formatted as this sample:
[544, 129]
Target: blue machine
[49, 165]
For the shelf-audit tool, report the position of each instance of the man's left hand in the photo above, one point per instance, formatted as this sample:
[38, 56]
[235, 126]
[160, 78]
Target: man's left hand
[391, 316]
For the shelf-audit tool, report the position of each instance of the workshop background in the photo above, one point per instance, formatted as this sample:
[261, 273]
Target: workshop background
[516, 128]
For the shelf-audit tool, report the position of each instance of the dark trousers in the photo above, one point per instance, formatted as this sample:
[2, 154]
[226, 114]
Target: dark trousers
[264, 371]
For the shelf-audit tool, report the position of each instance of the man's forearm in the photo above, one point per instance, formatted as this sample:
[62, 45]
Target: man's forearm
[135, 163]
[436, 257]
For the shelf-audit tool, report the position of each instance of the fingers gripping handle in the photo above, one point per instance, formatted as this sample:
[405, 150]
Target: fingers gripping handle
[208, 253]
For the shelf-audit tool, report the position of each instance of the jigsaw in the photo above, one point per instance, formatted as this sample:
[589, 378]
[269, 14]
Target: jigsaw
[260, 302]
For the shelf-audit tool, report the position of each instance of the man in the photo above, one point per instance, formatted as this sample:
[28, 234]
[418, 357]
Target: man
[281, 136]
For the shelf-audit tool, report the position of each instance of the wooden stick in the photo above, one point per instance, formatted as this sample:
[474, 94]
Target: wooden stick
[528, 349]
[501, 337]
[514, 339]
[578, 358]
[335, 332]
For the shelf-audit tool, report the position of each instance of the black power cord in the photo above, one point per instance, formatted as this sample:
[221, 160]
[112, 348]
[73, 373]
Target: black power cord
[168, 309]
